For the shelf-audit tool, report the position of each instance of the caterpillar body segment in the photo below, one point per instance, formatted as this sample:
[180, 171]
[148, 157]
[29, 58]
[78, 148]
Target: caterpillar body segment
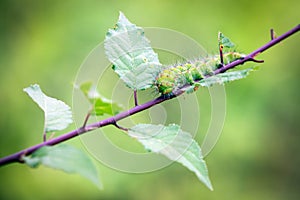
[179, 76]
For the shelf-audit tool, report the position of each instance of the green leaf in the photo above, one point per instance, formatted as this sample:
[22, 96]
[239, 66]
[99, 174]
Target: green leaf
[175, 144]
[225, 77]
[101, 105]
[66, 158]
[131, 54]
[58, 115]
[225, 41]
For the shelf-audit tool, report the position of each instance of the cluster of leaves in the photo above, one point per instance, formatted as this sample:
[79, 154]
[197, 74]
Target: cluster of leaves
[138, 66]
[64, 157]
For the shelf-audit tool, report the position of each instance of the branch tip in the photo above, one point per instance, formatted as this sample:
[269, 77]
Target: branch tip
[255, 60]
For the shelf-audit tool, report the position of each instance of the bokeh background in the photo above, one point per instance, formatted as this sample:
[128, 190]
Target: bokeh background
[257, 156]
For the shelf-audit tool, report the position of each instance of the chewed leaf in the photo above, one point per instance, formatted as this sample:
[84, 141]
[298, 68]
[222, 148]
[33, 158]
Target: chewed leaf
[101, 105]
[175, 144]
[58, 115]
[131, 54]
[66, 158]
[225, 77]
[225, 41]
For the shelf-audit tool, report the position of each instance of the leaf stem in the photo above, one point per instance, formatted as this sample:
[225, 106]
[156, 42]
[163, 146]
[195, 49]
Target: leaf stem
[221, 54]
[44, 136]
[273, 35]
[87, 118]
[17, 157]
[120, 127]
[135, 98]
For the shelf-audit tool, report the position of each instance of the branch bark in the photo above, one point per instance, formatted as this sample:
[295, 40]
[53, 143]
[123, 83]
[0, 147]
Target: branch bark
[17, 157]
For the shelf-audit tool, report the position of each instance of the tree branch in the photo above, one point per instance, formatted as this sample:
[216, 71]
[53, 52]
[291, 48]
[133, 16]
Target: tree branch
[17, 157]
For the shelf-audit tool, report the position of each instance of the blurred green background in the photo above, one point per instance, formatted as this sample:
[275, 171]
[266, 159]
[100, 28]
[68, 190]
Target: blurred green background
[257, 156]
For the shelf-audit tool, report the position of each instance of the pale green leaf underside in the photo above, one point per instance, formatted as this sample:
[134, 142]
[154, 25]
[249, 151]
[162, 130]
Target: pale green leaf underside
[66, 158]
[100, 104]
[58, 115]
[225, 77]
[131, 54]
[175, 144]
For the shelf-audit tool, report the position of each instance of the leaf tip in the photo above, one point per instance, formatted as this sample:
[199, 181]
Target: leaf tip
[32, 86]
[209, 185]
[121, 14]
[220, 34]
[122, 18]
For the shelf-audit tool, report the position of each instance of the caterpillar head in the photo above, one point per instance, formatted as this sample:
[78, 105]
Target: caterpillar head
[232, 56]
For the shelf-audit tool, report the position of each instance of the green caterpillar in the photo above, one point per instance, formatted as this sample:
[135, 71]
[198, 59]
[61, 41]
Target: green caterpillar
[179, 76]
